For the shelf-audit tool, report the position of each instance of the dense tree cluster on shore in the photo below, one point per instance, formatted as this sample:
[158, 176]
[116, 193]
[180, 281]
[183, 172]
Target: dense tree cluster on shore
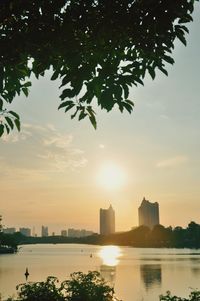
[11, 240]
[142, 236]
[157, 237]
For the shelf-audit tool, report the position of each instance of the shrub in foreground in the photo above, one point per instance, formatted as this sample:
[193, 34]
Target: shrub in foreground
[194, 296]
[80, 287]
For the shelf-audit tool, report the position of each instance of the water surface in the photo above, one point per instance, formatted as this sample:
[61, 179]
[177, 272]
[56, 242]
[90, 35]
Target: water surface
[136, 274]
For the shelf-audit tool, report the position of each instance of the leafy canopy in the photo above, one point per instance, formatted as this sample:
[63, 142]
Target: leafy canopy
[194, 296]
[98, 49]
[80, 287]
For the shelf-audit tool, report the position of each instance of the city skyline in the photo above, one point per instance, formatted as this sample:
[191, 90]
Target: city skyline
[57, 169]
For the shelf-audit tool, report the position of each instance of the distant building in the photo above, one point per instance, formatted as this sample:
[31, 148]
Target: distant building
[107, 221]
[148, 214]
[1, 227]
[79, 232]
[25, 231]
[44, 231]
[64, 233]
[9, 231]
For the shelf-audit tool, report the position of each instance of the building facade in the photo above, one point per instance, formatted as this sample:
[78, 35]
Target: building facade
[107, 221]
[79, 232]
[44, 231]
[25, 231]
[9, 230]
[148, 214]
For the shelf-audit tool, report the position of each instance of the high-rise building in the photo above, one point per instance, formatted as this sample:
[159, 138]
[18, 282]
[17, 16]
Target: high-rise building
[107, 221]
[148, 214]
[44, 231]
[25, 231]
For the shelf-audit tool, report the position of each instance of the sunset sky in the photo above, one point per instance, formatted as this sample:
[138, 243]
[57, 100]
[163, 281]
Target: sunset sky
[59, 172]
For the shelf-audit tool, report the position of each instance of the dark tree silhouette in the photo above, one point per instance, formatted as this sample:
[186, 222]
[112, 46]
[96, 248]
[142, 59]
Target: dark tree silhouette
[80, 287]
[97, 49]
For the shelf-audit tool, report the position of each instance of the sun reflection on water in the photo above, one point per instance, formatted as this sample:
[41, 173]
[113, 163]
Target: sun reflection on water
[110, 255]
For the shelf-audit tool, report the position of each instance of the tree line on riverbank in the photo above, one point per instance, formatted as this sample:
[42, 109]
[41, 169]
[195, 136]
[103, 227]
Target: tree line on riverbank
[142, 236]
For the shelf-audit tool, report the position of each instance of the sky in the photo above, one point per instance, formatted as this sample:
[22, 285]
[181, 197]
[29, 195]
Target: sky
[59, 172]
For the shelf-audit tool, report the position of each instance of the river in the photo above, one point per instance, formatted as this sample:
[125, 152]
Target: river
[136, 274]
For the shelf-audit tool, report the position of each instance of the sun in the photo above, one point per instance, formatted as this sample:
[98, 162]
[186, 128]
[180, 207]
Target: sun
[111, 176]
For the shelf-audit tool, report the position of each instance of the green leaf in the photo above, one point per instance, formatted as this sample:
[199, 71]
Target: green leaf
[25, 90]
[66, 103]
[69, 107]
[139, 81]
[128, 107]
[93, 121]
[55, 75]
[169, 59]
[130, 102]
[126, 91]
[82, 115]
[9, 122]
[118, 92]
[27, 84]
[74, 115]
[7, 128]
[121, 108]
[17, 123]
[163, 70]
[14, 114]
[180, 36]
[1, 104]
[67, 93]
[1, 129]
[152, 72]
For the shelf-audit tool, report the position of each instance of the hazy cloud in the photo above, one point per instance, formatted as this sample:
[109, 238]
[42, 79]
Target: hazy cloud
[164, 117]
[14, 137]
[40, 150]
[102, 146]
[172, 162]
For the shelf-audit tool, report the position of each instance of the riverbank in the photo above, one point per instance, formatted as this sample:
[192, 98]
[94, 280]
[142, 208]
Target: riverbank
[7, 250]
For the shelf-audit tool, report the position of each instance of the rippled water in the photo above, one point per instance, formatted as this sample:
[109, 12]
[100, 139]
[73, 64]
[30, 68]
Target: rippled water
[136, 274]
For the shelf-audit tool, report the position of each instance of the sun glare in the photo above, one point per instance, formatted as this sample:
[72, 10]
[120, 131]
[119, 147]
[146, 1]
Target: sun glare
[110, 255]
[111, 176]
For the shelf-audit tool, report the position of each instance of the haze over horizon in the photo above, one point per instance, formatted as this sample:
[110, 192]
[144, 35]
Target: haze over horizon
[59, 172]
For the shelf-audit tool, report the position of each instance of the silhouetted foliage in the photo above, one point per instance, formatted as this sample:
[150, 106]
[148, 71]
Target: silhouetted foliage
[97, 49]
[91, 286]
[80, 287]
[11, 240]
[194, 296]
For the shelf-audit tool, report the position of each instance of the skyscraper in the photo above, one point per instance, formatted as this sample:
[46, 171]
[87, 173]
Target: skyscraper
[107, 221]
[44, 231]
[148, 213]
